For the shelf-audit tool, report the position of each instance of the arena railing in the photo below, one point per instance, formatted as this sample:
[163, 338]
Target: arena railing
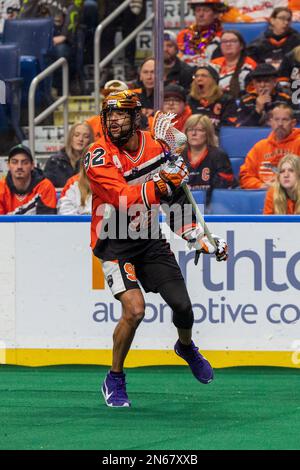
[100, 64]
[62, 100]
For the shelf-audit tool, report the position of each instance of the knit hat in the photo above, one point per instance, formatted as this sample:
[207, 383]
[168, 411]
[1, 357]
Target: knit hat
[20, 148]
[263, 70]
[170, 36]
[211, 70]
[216, 5]
[175, 90]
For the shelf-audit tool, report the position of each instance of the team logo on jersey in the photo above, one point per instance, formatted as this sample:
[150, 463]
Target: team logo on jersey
[130, 272]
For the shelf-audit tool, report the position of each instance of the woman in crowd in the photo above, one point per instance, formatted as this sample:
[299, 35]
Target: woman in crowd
[277, 41]
[209, 166]
[284, 196]
[61, 166]
[76, 196]
[206, 97]
[234, 65]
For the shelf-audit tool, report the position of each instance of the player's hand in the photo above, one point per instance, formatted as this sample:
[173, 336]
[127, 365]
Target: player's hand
[171, 177]
[202, 244]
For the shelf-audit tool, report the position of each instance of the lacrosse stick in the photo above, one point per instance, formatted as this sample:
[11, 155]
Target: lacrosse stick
[164, 131]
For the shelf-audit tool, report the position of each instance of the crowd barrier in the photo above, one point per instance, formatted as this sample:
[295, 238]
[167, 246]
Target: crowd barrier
[55, 307]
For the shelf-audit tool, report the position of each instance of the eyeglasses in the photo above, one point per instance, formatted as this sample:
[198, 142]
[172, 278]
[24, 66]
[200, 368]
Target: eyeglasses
[197, 130]
[284, 18]
[230, 41]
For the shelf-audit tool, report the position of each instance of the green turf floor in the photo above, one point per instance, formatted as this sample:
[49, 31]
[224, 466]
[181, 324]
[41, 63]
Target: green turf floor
[61, 408]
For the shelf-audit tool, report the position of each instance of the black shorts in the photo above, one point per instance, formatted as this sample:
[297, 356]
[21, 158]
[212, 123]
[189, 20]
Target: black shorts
[151, 269]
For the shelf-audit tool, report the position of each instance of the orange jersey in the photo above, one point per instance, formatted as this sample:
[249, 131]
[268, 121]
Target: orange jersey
[40, 198]
[269, 204]
[95, 123]
[120, 183]
[266, 154]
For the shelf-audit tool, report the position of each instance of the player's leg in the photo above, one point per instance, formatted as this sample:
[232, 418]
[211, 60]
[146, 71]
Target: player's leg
[133, 311]
[176, 296]
[121, 278]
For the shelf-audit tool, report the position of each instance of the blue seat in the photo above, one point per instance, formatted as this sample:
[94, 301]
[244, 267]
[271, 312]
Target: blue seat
[237, 141]
[249, 31]
[11, 82]
[296, 25]
[200, 198]
[34, 38]
[237, 201]
[236, 164]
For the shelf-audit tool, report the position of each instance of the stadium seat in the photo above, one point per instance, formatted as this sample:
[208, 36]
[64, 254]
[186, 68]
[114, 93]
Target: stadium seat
[34, 38]
[199, 196]
[237, 141]
[236, 164]
[10, 76]
[296, 25]
[249, 31]
[237, 201]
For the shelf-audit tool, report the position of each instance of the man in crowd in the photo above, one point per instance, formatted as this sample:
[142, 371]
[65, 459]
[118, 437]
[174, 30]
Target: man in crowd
[201, 39]
[255, 105]
[128, 172]
[175, 70]
[258, 171]
[25, 190]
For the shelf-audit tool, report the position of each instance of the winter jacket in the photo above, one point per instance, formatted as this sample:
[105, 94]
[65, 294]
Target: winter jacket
[58, 169]
[39, 198]
[247, 114]
[257, 168]
[273, 48]
[269, 204]
[70, 199]
[180, 74]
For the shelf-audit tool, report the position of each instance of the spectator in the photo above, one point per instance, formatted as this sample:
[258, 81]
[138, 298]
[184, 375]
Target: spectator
[208, 165]
[254, 10]
[145, 86]
[175, 102]
[284, 196]
[60, 167]
[199, 41]
[257, 172]
[95, 122]
[289, 71]
[278, 40]
[207, 98]
[175, 70]
[25, 190]
[9, 10]
[254, 106]
[76, 197]
[234, 65]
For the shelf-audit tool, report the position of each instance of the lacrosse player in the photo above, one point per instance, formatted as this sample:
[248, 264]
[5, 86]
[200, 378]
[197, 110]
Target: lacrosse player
[130, 177]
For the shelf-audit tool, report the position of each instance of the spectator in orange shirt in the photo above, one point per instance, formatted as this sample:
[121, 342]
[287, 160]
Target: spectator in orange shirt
[234, 65]
[284, 196]
[257, 171]
[199, 41]
[25, 190]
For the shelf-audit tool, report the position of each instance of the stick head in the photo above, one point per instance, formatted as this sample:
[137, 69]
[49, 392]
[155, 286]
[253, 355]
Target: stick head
[163, 129]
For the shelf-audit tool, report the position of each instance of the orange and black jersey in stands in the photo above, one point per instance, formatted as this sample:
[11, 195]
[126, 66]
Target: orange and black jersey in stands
[39, 198]
[222, 112]
[121, 180]
[289, 71]
[247, 114]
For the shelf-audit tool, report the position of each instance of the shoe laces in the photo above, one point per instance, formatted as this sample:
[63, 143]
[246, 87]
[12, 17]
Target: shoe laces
[120, 387]
[193, 354]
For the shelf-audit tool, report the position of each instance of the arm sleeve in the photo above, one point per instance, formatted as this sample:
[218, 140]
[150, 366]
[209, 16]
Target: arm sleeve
[47, 194]
[249, 178]
[269, 202]
[109, 185]
[67, 204]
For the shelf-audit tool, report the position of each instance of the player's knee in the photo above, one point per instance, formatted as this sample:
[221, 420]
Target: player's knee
[135, 313]
[183, 316]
